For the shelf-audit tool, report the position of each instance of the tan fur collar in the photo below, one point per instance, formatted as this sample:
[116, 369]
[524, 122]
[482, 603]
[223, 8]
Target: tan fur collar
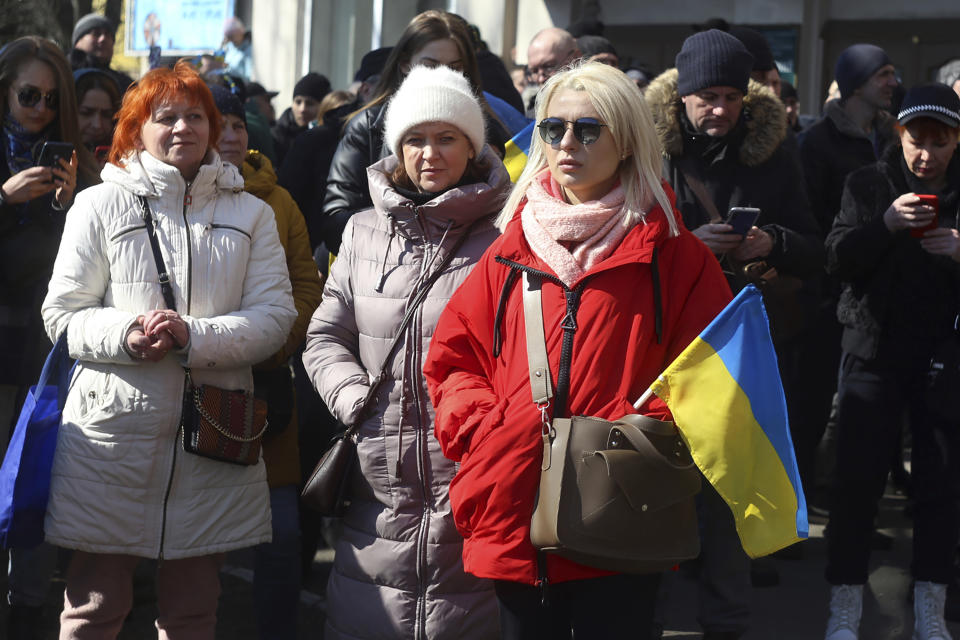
[766, 128]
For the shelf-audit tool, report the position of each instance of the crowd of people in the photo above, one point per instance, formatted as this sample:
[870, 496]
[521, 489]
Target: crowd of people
[358, 261]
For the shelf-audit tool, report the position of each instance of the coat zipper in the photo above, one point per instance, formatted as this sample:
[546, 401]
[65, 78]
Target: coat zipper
[232, 228]
[187, 200]
[415, 382]
[166, 495]
[569, 326]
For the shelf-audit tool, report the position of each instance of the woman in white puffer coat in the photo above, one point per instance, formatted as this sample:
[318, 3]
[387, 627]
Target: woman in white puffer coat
[123, 488]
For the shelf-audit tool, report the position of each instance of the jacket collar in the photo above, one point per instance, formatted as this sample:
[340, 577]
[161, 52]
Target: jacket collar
[764, 119]
[461, 205]
[882, 123]
[144, 175]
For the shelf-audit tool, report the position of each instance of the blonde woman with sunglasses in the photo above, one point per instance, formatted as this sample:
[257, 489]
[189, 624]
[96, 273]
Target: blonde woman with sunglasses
[623, 285]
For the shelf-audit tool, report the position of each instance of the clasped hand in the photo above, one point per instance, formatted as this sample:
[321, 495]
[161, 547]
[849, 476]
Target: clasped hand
[156, 333]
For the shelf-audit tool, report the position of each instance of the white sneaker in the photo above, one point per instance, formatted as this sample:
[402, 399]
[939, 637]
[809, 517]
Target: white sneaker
[846, 606]
[928, 601]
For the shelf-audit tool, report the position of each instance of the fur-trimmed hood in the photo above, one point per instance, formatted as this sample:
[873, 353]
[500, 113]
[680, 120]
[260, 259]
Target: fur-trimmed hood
[766, 125]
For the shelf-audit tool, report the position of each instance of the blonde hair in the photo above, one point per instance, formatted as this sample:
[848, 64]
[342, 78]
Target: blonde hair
[622, 108]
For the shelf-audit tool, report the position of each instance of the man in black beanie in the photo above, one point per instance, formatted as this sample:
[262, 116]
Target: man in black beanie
[92, 43]
[307, 94]
[854, 132]
[722, 134]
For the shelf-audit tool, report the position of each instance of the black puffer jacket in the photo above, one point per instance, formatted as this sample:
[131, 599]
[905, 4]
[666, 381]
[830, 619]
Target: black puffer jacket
[897, 300]
[29, 239]
[306, 165]
[753, 171]
[361, 146]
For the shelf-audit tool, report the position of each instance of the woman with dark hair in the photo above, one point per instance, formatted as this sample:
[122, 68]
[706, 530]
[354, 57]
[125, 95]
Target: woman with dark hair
[124, 484]
[896, 246]
[433, 38]
[397, 571]
[98, 100]
[38, 105]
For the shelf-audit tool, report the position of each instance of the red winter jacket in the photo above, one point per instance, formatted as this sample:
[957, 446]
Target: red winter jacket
[485, 415]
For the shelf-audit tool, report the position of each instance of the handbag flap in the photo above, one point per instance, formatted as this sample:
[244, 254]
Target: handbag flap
[649, 487]
[649, 478]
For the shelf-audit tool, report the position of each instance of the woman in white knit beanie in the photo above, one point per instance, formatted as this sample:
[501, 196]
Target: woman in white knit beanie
[398, 571]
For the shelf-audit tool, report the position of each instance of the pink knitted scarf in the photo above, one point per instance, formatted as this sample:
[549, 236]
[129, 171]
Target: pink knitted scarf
[593, 229]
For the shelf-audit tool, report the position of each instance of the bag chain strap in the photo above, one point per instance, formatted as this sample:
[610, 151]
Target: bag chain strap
[197, 401]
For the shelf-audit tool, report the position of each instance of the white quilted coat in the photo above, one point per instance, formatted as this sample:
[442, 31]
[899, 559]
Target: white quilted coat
[121, 481]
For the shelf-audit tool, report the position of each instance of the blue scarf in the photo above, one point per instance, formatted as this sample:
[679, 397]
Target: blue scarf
[21, 144]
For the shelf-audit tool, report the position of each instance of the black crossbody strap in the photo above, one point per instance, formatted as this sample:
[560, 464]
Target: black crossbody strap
[165, 287]
[418, 298]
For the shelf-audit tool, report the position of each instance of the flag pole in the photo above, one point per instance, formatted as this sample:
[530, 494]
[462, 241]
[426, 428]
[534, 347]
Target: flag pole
[646, 396]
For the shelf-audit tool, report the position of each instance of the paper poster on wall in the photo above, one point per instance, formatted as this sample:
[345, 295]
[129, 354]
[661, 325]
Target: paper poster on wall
[178, 27]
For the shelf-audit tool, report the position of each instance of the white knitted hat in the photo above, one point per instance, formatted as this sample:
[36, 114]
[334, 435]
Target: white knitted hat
[437, 94]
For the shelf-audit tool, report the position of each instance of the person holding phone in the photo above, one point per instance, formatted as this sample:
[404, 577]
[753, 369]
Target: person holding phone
[98, 100]
[38, 106]
[900, 299]
[724, 138]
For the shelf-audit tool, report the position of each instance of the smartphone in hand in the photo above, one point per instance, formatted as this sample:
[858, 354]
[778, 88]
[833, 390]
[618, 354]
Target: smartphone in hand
[51, 152]
[930, 200]
[742, 219]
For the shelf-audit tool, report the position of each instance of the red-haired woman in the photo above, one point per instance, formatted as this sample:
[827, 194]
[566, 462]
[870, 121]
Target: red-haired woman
[123, 488]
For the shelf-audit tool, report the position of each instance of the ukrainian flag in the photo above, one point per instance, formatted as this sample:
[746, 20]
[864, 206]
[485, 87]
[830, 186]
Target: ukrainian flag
[727, 400]
[516, 151]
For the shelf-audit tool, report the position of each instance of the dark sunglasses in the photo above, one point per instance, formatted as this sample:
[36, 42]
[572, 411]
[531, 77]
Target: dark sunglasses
[586, 130]
[28, 97]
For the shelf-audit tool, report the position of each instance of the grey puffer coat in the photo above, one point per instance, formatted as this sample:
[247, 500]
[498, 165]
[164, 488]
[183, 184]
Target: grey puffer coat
[398, 571]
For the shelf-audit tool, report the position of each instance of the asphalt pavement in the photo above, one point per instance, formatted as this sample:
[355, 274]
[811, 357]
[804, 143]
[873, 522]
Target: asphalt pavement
[795, 609]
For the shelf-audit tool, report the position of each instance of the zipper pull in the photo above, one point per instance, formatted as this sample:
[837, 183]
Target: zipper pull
[187, 200]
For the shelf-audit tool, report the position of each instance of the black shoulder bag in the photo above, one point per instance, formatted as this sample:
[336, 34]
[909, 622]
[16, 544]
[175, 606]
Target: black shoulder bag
[326, 490]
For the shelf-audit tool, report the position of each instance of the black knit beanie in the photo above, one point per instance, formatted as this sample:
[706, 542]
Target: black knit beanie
[88, 23]
[855, 65]
[756, 43]
[313, 85]
[227, 103]
[712, 58]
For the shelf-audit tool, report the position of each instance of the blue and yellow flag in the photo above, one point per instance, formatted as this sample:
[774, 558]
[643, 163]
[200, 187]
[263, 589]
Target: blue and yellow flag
[516, 151]
[727, 400]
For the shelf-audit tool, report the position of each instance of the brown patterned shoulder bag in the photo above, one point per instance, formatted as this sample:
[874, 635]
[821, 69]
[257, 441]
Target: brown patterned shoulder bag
[221, 424]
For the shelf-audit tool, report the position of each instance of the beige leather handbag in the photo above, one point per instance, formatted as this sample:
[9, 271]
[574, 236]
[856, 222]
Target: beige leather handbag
[617, 495]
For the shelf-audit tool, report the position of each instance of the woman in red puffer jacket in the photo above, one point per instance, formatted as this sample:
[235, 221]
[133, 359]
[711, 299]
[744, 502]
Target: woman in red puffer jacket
[591, 217]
